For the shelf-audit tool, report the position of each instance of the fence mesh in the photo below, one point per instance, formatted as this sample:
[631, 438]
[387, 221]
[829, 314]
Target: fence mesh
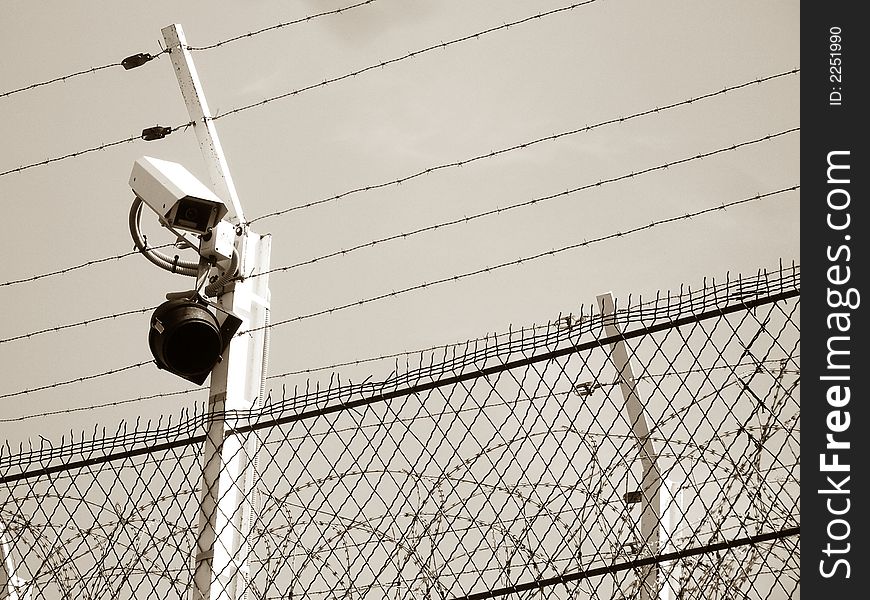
[644, 450]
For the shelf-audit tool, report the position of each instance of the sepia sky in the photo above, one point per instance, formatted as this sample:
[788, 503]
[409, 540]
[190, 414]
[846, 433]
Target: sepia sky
[324, 135]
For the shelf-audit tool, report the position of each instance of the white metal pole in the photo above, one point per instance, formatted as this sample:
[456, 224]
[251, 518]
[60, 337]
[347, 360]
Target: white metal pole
[671, 510]
[11, 585]
[660, 513]
[226, 511]
[227, 492]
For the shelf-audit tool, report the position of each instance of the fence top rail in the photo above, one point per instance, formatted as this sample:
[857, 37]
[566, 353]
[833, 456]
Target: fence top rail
[474, 358]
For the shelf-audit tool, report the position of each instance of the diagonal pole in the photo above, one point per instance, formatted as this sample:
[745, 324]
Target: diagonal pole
[203, 124]
[661, 507]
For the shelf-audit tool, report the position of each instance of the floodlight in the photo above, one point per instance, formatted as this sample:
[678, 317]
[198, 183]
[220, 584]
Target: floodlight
[187, 339]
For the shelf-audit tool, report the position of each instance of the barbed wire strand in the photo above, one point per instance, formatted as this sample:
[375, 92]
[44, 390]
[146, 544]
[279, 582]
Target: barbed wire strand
[521, 260]
[76, 409]
[391, 61]
[440, 281]
[457, 163]
[77, 153]
[89, 263]
[118, 64]
[440, 225]
[300, 90]
[313, 86]
[443, 346]
[460, 163]
[77, 324]
[76, 380]
[466, 219]
[406, 353]
[280, 25]
[63, 78]
[432, 227]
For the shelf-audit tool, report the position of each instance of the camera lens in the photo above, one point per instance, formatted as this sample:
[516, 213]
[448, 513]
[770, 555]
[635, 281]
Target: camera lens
[193, 214]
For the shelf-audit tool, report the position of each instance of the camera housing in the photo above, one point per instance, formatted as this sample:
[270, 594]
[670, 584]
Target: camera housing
[180, 200]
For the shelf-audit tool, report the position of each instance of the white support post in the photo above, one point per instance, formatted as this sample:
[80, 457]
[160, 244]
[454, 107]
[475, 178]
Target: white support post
[13, 586]
[661, 512]
[221, 569]
[671, 509]
[227, 509]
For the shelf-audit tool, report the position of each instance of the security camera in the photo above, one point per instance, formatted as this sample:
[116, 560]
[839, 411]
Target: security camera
[180, 200]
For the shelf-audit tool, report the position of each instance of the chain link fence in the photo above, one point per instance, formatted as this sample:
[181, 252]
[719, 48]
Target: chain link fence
[646, 449]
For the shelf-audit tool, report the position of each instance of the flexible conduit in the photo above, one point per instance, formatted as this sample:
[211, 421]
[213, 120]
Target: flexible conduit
[173, 263]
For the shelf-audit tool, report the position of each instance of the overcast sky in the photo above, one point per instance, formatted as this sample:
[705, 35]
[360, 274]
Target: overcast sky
[583, 66]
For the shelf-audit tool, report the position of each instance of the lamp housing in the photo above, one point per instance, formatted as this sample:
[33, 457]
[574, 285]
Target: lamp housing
[187, 338]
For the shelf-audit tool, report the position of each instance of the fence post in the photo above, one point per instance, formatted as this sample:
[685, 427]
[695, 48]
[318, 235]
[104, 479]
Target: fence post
[661, 508]
[12, 585]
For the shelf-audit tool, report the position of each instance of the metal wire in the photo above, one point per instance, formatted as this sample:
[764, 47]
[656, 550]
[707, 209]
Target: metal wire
[77, 153]
[62, 78]
[23, 336]
[429, 170]
[424, 285]
[527, 144]
[67, 77]
[468, 218]
[395, 292]
[391, 61]
[304, 19]
[519, 261]
[482, 472]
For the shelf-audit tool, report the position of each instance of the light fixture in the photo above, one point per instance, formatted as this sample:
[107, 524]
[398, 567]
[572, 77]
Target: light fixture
[187, 339]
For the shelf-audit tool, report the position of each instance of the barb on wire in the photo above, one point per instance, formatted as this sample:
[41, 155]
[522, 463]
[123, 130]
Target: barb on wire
[429, 170]
[77, 324]
[527, 144]
[521, 260]
[59, 79]
[521, 448]
[77, 153]
[465, 219]
[462, 220]
[76, 380]
[83, 265]
[128, 63]
[402, 58]
[66, 411]
[446, 279]
[304, 19]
